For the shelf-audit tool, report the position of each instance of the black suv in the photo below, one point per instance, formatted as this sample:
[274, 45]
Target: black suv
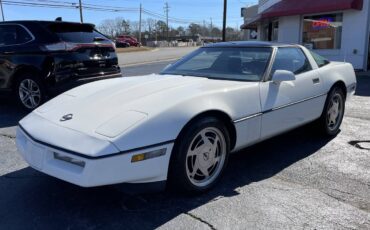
[39, 59]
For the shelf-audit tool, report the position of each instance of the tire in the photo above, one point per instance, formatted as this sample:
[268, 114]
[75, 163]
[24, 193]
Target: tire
[200, 156]
[333, 113]
[29, 91]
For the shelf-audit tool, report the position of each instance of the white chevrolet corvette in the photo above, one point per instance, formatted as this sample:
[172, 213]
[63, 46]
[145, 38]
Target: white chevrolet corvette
[181, 125]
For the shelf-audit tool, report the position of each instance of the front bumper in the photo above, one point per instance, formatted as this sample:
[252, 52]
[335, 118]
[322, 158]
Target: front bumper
[94, 171]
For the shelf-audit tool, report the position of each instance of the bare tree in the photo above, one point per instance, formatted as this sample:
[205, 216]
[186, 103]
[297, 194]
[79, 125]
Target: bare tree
[108, 27]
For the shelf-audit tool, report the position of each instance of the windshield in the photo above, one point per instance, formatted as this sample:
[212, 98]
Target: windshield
[227, 63]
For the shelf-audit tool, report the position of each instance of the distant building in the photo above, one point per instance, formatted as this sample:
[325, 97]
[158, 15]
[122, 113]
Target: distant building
[338, 30]
[249, 29]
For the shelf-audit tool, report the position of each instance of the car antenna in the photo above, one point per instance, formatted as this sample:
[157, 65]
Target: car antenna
[59, 19]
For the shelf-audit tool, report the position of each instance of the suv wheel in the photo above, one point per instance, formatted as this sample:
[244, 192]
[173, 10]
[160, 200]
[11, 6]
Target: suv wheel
[29, 92]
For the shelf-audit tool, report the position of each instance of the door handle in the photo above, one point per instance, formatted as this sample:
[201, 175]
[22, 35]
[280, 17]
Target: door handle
[316, 80]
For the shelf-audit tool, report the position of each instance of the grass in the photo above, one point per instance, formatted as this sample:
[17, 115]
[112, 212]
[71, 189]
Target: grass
[133, 49]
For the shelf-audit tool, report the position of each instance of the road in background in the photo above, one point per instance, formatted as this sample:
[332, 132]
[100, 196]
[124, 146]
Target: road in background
[145, 69]
[156, 55]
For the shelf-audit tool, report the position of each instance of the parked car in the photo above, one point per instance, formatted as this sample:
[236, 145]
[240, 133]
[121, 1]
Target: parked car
[219, 99]
[39, 59]
[121, 43]
[125, 39]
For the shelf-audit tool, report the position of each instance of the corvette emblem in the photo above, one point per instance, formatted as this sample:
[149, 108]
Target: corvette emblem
[66, 117]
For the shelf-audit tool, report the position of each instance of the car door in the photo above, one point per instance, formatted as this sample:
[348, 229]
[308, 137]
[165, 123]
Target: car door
[289, 104]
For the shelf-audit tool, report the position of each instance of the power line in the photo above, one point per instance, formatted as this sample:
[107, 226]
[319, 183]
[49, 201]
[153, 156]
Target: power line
[65, 4]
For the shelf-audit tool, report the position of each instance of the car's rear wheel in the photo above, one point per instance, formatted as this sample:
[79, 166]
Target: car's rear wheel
[29, 91]
[200, 156]
[332, 116]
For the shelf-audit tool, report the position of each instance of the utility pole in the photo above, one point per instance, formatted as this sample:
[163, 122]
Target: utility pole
[80, 6]
[2, 11]
[141, 9]
[224, 22]
[211, 27]
[166, 10]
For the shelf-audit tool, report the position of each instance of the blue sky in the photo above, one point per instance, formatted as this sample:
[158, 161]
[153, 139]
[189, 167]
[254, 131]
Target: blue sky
[189, 10]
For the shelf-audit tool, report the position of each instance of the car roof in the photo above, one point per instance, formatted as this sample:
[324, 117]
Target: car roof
[248, 44]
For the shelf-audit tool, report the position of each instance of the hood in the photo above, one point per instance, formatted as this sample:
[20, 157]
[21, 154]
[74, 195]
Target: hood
[124, 102]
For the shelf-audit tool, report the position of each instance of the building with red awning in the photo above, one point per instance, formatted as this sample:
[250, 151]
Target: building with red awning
[338, 30]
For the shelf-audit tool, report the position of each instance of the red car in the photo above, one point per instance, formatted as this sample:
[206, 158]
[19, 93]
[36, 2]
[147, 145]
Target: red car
[126, 39]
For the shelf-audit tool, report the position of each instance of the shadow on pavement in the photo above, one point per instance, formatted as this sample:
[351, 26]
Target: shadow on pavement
[10, 112]
[32, 200]
[363, 84]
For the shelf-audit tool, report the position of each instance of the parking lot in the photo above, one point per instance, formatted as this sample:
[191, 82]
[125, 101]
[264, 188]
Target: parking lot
[296, 181]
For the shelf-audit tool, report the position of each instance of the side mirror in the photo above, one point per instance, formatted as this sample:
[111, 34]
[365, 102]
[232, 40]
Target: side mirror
[283, 75]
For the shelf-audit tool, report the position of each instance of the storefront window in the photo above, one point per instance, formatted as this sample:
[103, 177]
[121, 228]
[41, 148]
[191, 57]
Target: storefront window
[275, 31]
[271, 31]
[323, 31]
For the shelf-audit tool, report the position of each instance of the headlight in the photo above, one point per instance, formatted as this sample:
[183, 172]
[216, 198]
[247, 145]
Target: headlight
[68, 159]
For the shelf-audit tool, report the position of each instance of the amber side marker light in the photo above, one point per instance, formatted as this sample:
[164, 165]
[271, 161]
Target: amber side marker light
[148, 155]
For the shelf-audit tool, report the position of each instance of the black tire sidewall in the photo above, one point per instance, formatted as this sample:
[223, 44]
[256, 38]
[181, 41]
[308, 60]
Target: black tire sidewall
[323, 119]
[178, 178]
[37, 80]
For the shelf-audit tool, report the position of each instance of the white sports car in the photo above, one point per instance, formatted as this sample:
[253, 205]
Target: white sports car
[181, 125]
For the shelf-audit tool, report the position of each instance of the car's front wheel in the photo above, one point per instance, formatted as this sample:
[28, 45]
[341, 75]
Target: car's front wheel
[200, 156]
[29, 92]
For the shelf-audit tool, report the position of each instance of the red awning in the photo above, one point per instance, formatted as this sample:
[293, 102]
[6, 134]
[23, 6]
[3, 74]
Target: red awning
[299, 7]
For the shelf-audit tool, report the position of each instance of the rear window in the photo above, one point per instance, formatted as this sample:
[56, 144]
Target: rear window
[320, 60]
[77, 33]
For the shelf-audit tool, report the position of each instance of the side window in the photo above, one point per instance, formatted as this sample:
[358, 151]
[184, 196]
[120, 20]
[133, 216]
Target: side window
[321, 61]
[22, 35]
[8, 35]
[291, 59]
[13, 34]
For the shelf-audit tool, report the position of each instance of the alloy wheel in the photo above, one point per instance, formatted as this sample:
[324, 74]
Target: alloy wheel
[206, 156]
[29, 93]
[335, 112]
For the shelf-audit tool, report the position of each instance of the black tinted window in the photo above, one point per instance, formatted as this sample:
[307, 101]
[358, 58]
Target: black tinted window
[13, 34]
[291, 59]
[77, 33]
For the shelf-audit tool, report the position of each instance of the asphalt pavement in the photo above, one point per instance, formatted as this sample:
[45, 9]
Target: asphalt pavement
[154, 56]
[299, 180]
